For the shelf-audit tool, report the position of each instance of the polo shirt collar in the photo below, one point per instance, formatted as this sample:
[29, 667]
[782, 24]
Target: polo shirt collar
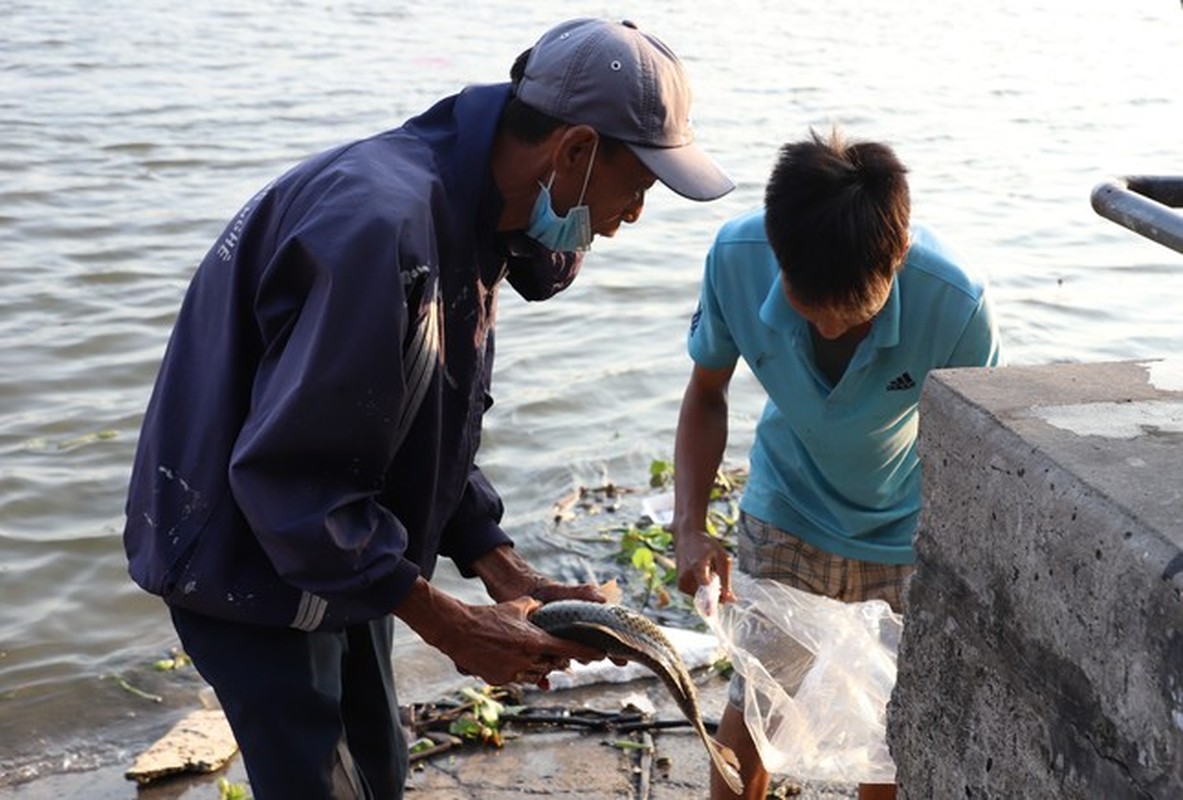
[885, 332]
[775, 311]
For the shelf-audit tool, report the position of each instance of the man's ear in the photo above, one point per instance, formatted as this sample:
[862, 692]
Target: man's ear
[575, 149]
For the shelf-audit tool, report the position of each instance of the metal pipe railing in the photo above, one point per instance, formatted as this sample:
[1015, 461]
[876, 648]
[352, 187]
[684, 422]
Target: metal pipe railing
[1143, 204]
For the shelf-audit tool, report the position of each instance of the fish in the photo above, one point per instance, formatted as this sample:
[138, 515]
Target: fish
[626, 634]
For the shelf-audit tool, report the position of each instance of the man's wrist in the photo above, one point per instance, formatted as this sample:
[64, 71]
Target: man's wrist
[430, 612]
[502, 567]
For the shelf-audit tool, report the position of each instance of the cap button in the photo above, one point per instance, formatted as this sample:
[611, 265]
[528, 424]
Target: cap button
[628, 23]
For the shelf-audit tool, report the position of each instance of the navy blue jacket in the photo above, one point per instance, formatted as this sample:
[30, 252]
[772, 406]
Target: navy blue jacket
[309, 447]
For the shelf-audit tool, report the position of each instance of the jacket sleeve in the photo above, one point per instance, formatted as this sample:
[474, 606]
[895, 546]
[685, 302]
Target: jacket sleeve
[475, 528]
[313, 451]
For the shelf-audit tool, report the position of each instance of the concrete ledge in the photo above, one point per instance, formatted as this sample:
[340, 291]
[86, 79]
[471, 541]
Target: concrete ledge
[1042, 654]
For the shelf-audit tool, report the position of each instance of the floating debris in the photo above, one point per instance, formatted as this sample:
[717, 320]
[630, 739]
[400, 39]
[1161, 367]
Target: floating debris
[201, 742]
[137, 691]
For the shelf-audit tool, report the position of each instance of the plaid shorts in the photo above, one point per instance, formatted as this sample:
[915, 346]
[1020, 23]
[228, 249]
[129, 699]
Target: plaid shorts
[766, 551]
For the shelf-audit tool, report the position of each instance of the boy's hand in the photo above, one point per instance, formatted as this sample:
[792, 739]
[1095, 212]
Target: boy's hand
[699, 557]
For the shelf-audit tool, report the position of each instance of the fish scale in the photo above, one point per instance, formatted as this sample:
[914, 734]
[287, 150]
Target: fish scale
[623, 633]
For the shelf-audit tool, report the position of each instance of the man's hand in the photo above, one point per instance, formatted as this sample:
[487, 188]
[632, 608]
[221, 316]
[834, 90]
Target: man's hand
[507, 576]
[699, 557]
[497, 643]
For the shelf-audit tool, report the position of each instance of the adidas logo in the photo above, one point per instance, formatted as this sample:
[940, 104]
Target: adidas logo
[901, 383]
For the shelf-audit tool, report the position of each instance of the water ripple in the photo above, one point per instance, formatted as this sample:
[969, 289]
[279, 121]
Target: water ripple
[133, 131]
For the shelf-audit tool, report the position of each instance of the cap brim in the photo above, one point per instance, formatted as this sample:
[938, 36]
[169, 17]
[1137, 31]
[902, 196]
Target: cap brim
[686, 170]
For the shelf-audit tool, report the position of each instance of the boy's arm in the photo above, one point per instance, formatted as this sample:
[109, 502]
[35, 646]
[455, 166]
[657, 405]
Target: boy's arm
[698, 451]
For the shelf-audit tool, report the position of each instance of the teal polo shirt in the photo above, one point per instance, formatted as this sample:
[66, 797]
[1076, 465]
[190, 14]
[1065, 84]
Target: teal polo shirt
[836, 465]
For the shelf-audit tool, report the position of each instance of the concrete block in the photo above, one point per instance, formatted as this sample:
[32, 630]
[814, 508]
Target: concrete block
[1042, 653]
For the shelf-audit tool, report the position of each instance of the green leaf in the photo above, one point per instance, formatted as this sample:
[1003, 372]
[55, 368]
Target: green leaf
[466, 727]
[231, 791]
[421, 744]
[643, 559]
[661, 473]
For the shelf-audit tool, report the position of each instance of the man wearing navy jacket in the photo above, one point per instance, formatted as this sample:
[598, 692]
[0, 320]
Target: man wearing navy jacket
[309, 449]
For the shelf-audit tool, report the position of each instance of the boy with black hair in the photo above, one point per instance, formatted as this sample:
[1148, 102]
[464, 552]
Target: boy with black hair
[841, 307]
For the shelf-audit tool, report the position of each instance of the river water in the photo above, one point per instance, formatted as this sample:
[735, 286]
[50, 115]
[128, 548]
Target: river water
[131, 131]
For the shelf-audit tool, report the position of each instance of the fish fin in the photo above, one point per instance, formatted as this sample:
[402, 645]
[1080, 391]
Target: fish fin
[726, 764]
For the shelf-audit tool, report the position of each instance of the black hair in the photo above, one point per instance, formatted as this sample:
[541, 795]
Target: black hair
[836, 216]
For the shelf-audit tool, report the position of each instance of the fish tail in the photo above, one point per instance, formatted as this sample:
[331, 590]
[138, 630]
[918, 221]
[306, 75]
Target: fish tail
[726, 764]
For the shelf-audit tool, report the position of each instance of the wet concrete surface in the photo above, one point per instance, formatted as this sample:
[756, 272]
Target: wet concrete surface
[535, 760]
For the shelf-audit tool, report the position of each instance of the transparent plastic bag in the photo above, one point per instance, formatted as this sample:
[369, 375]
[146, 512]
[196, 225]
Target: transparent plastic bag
[818, 674]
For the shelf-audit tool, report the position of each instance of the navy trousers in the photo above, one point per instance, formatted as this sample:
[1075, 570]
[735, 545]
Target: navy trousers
[315, 714]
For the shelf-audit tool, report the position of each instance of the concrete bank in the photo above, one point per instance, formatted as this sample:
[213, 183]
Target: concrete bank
[535, 762]
[1043, 651]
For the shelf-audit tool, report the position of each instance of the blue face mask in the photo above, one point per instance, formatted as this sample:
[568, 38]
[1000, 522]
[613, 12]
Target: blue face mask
[571, 233]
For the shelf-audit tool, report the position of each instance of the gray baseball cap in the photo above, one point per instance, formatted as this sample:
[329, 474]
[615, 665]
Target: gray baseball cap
[628, 85]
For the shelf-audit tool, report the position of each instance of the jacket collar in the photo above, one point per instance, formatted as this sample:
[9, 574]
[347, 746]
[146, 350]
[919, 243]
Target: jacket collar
[460, 130]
